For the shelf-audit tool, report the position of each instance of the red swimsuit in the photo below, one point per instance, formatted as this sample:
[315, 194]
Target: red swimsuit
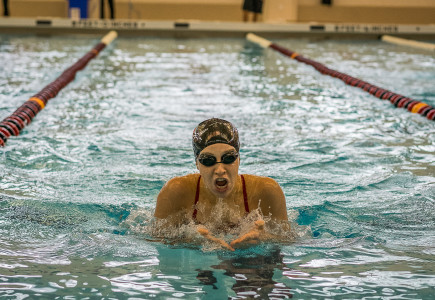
[245, 197]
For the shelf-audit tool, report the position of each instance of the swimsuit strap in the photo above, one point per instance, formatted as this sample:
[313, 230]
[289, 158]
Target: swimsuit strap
[245, 197]
[195, 211]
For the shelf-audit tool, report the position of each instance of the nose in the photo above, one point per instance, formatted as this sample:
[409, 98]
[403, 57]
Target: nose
[220, 169]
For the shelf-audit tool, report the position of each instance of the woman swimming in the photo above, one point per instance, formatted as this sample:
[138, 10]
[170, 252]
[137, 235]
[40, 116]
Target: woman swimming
[198, 197]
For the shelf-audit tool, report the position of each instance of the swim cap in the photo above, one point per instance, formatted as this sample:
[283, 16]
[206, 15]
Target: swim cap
[214, 131]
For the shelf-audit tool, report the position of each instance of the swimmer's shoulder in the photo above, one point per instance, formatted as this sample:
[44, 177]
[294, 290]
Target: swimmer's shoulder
[177, 194]
[261, 183]
[269, 192]
[183, 182]
[181, 186]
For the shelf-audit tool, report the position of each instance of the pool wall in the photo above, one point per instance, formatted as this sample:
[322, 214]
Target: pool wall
[340, 11]
[203, 29]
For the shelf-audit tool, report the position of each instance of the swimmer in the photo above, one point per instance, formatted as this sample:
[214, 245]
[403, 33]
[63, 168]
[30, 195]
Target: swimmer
[198, 197]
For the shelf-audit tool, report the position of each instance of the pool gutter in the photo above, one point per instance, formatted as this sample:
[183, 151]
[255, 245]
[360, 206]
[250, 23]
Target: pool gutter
[200, 29]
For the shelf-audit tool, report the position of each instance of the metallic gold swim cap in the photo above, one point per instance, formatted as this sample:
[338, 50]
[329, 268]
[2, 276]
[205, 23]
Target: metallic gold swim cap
[214, 131]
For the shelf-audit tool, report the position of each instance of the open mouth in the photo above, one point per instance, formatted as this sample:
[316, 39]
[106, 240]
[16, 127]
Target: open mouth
[221, 182]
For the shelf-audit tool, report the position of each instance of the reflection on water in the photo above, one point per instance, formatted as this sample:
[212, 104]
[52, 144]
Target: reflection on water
[251, 273]
[254, 275]
[357, 172]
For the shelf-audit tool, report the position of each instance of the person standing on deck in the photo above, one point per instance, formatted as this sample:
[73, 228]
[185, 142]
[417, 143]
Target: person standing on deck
[252, 6]
[111, 9]
[5, 8]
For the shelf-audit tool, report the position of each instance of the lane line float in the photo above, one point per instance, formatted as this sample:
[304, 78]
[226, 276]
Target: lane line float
[19, 119]
[397, 100]
[410, 43]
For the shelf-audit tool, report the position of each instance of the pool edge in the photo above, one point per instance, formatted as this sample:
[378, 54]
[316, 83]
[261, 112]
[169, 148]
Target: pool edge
[201, 29]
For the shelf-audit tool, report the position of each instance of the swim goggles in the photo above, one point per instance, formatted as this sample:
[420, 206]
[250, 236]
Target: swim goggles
[210, 160]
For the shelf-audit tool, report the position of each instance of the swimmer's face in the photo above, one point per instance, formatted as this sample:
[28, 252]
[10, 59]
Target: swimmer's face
[219, 178]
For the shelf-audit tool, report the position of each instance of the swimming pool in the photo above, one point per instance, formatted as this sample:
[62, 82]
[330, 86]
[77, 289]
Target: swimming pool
[78, 186]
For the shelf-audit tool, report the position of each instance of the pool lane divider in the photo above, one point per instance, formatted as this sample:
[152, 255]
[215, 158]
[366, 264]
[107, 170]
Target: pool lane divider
[13, 124]
[396, 99]
[410, 43]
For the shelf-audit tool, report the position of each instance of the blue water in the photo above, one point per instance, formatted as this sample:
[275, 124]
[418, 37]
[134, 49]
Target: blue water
[78, 186]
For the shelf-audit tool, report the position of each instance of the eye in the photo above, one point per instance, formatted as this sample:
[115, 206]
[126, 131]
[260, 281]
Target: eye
[207, 161]
[229, 158]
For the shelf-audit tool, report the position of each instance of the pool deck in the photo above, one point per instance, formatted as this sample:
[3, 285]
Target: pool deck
[200, 29]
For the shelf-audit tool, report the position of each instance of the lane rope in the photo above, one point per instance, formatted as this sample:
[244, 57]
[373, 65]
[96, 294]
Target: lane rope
[19, 119]
[397, 100]
[410, 43]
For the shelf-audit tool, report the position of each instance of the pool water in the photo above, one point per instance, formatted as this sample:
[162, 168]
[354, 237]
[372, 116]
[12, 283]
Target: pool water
[358, 173]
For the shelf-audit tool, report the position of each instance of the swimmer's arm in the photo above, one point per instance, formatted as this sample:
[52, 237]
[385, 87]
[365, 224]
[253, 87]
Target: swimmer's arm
[252, 237]
[273, 205]
[171, 199]
[206, 233]
[259, 234]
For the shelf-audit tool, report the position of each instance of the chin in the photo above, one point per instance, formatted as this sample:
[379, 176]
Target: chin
[222, 193]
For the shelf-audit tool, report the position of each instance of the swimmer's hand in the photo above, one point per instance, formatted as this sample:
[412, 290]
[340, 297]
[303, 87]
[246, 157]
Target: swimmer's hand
[205, 233]
[252, 237]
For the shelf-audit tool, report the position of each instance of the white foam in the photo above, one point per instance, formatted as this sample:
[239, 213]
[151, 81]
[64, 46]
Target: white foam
[225, 224]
